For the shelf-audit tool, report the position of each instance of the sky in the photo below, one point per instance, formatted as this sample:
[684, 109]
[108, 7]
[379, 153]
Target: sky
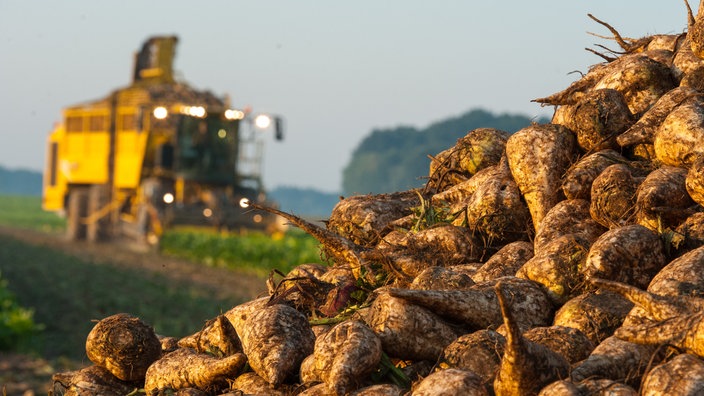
[333, 70]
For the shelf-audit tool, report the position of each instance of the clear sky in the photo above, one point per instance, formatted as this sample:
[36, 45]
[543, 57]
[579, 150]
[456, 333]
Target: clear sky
[334, 70]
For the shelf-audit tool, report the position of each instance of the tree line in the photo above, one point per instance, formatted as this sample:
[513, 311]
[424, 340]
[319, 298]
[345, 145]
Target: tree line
[20, 182]
[397, 159]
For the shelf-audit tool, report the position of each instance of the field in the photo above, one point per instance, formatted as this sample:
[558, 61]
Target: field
[25, 212]
[67, 286]
[255, 252]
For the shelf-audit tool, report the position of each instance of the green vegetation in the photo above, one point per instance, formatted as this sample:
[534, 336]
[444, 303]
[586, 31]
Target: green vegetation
[41, 287]
[18, 331]
[396, 159]
[26, 212]
[255, 252]
[67, 293]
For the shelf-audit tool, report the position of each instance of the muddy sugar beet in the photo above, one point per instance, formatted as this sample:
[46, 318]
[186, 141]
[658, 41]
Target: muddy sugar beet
[560, 259]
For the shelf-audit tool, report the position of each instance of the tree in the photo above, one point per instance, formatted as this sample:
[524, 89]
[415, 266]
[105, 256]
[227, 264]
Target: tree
[397, 159]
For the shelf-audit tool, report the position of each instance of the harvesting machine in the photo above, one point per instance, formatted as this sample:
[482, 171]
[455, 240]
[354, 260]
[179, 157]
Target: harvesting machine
[156, 154]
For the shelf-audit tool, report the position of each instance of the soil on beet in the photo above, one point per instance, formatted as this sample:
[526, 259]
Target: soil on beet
[42, 268]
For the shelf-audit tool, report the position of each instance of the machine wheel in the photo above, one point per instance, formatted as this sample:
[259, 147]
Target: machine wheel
[77, 211]
[97, 199]
[147, 234]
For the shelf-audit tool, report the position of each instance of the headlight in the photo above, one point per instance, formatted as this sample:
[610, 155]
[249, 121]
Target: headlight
[168, 198]
[198, 111]
[244, 203]
[160, 112]
[262, 121]
[232, 114]
[195, 111]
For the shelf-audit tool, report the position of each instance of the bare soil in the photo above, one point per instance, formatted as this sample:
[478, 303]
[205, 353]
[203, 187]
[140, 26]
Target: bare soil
[24, 375]
[27, 375]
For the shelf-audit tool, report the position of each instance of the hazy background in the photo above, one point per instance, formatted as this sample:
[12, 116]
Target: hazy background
[333, 70]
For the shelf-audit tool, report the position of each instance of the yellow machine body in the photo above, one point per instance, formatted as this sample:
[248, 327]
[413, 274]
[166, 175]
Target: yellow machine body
[150, 155]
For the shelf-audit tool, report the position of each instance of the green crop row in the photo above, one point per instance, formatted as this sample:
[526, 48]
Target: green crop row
[26, 212]
[253, 252]
[18, 329]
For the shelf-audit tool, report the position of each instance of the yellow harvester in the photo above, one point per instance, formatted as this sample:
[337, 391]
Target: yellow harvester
[154, 154]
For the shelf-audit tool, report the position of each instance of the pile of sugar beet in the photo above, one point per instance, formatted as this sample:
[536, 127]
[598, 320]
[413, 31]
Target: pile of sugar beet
[564, 259]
